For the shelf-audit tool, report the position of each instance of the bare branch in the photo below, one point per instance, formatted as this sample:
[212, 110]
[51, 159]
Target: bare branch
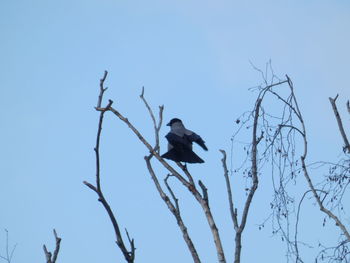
[91, 186]
[229, 192]
[320, 204]
[128, 255]
[205, 192]
[340, 123]
[187, 173]
[47, 254]
[296, 227]
[102, 89]
[306, 174]
[175, 210]
[58, 242]
[49, 257]
[292, 127]
[131, 242]
[8, 256]
[254, 172]
[156, 127]
[172, 194]
[254, 166]
[298, 259]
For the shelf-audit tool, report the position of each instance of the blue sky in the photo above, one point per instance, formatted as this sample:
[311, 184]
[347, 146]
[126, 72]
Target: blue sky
[193, 57]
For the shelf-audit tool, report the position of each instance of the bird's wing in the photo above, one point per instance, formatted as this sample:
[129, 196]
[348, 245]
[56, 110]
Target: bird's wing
[178, 142]
[194, 137]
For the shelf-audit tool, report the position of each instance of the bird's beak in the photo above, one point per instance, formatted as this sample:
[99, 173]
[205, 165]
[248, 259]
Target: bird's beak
[168, 124]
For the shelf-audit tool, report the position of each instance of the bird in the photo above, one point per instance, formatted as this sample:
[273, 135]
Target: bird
[180, 142]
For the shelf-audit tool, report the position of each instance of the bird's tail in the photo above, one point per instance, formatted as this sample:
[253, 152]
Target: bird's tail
[187, 156]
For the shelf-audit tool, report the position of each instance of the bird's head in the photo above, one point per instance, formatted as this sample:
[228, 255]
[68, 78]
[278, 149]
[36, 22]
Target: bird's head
[174, 121]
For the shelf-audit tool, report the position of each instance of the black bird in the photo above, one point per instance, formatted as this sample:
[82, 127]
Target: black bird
[180, 143]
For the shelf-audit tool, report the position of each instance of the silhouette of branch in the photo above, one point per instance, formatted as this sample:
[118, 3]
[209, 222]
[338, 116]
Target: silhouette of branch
[204, 191]
[340, 123]
[254, 173]
[175, 199]
[187, 173]
[128, 255]
[8, 256]
[339, 253]
[233, 211]
[51, 258]
[102, 89]
[319, 201]
[298, 258]
[174, 209]
[156, 127]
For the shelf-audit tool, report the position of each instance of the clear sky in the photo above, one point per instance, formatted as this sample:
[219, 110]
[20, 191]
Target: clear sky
[193, 57]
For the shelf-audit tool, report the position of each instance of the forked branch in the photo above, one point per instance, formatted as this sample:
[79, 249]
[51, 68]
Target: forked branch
[51, 258]
[173, 208]
[8, 254]
[129, 255]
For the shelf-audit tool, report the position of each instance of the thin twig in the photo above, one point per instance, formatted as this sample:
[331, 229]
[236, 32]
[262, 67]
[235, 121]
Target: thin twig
[156, 127]
[9, 254]
[176, 200]
[102, 89]
[320, 204]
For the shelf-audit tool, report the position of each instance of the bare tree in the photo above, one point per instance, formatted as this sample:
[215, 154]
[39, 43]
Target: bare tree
[275, 139]
[284, 131]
